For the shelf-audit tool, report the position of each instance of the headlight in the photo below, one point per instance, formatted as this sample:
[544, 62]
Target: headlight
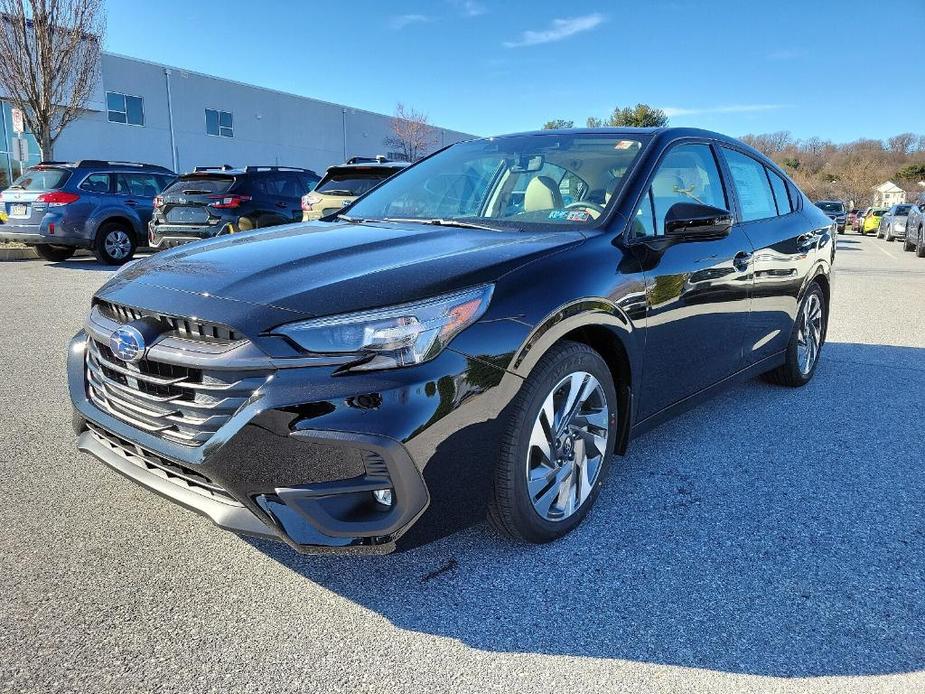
[396, 336]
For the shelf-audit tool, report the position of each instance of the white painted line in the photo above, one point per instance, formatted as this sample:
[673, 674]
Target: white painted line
[883, 250]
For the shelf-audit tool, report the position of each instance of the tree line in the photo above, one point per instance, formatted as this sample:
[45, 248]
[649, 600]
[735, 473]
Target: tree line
[846, 171]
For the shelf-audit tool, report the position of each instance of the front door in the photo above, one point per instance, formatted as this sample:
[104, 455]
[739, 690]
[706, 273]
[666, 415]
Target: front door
[697, 292]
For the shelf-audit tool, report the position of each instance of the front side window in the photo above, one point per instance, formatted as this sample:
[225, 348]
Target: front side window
[688, 173]
[752, 186]
[522, 181]
[124, 108]
[219, 123]
[139, 185]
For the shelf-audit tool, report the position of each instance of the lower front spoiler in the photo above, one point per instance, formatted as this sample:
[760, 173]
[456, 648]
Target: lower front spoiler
[234, 517]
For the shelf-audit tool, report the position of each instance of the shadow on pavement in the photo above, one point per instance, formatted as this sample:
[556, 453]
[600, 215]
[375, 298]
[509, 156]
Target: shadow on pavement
[773, 531]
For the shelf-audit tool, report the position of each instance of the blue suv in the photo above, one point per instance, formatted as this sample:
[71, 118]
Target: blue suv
[103, 206]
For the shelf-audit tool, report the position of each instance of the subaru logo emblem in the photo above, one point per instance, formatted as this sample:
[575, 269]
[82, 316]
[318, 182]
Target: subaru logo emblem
[127, 343]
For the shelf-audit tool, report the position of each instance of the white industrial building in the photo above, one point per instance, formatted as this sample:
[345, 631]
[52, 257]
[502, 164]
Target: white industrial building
[143, 111]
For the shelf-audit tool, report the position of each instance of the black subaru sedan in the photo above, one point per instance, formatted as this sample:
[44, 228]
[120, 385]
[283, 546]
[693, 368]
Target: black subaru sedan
[480, 336]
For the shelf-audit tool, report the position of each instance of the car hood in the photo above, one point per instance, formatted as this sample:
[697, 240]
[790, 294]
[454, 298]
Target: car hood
[272, 276]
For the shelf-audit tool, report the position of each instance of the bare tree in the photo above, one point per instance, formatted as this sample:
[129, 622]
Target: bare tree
[50, 56]
[902, 144]
[412, 133]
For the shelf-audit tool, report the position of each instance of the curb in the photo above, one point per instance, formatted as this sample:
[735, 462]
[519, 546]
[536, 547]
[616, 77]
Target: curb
[18, 254]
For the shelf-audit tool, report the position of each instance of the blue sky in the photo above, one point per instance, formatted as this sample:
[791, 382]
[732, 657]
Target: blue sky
[839, 70]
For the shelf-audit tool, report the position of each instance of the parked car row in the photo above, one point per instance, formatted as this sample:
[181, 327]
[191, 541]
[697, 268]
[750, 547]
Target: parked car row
[902, 222]
[112, 208]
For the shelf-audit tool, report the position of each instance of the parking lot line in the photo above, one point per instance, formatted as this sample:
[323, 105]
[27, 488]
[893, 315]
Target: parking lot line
[883, 250]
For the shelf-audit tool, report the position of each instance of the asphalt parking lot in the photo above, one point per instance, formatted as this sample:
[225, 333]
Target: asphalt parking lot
[772, 540]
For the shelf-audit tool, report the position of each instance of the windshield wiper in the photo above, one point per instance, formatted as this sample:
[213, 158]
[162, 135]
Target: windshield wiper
[336, 191]
[195, 191]
[441, 222]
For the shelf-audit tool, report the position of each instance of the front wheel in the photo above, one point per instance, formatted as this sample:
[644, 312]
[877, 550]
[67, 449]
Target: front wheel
[806, 342]
[557, 448]
[920, 246]
[54, 253]
[908, 246]
[115, 244]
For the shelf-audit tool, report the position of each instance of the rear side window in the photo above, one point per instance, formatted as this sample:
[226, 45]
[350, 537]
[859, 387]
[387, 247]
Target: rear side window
[352, 183]
[752, 186]
[42, 179]
[96, 183]
[779, 186]
[201, 185]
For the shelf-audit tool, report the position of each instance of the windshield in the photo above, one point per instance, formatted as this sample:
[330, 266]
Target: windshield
[836, 207]
[42, 179]
[200, 185]
[902, 210]
[521, 181]
[351, 182]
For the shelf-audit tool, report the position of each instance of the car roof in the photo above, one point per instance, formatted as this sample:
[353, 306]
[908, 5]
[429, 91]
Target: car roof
[370, 165]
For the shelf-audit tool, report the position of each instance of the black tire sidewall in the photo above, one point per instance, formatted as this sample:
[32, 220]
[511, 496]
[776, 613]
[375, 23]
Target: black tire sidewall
[793, 360]
[99, 246]
[54, 253]
[553, 368]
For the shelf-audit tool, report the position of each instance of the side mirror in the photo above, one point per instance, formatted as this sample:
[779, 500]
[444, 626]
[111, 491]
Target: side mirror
[689, 220]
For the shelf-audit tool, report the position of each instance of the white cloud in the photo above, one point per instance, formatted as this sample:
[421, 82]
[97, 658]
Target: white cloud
[672, 111]
[470, 8]
[403, 20]
[558, 30]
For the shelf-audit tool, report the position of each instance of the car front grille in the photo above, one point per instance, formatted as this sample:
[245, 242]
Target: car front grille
[177, 403]
[181, 327]
[173, 472]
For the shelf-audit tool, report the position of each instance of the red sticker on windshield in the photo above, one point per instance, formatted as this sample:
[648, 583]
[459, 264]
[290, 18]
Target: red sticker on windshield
[578, 216]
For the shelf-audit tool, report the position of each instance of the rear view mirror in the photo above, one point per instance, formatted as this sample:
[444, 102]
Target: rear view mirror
[696, 221]
[528, 164]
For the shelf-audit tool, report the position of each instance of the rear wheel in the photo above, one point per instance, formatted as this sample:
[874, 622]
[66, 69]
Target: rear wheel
[557, 449]
[54, 253]
[806, 342]
[115, 244]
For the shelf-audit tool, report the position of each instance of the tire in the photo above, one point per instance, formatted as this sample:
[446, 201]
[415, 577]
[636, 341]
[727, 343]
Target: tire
[920, 246]
[889, 237]
[54, 253]
[115, 244]
[793, 372]
[561, 495]
[908, 246]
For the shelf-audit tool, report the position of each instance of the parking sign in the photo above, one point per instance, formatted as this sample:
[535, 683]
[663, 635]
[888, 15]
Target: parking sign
[18, 126]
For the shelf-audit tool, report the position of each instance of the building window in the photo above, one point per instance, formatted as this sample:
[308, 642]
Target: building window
[124, 108]
[220, 123]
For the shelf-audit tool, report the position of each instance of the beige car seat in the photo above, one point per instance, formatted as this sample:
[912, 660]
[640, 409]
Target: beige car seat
[542, 193]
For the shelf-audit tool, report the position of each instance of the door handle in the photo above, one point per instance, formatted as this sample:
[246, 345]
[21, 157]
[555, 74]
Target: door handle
[742, 260]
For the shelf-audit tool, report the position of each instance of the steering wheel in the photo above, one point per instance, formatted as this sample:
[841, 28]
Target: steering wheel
[592, 207]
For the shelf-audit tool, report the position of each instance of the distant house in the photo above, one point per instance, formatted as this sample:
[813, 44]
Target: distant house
[887, 194]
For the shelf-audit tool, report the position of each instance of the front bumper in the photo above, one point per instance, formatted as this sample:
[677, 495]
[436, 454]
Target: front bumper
[299, 460]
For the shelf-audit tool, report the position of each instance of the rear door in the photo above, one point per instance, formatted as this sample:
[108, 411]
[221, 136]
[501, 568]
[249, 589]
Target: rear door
[138, 191]
[785, 242]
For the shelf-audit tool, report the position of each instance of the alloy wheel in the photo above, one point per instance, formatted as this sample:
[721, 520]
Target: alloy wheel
[567, 446]
[117, 244]
[809, 337]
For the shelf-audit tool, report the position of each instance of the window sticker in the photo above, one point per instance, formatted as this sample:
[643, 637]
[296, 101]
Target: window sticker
[578, 216]
[559, 214]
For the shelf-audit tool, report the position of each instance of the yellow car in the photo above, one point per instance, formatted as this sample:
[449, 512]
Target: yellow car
[3, 217]
[344, 183]
[872, 220]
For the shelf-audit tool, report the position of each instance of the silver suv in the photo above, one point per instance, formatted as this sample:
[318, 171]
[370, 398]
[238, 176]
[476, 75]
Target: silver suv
[104, 206]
